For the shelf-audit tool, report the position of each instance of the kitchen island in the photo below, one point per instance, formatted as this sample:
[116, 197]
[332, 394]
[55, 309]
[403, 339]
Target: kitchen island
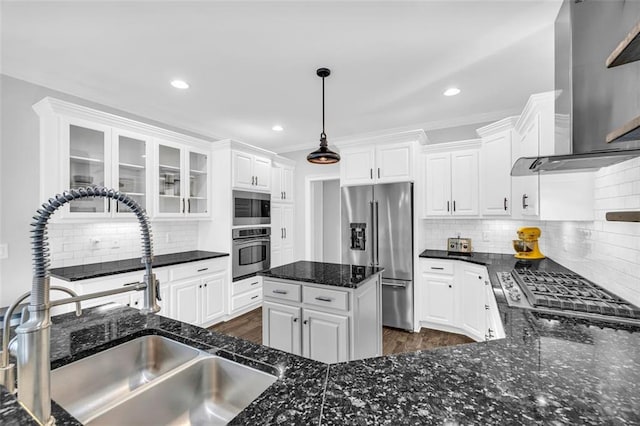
[328, 312]
[549, 369]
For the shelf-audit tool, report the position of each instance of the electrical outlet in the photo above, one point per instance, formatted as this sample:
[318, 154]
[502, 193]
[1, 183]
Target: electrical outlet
[115, 244]
[4, 251]
[486, 236]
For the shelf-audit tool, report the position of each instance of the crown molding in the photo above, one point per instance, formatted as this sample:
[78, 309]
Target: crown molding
[534, 103]
[499, 126]
[453, 146]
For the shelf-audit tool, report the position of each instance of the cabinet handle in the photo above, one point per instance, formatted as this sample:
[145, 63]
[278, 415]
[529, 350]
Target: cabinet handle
[203, 269]
[505, 204]
[188, 205]
[324, 299]
[285, 195]
[454, 205]
[486, 307]
[486, 282]
[371, 173]
[280, 291]
[282, 195]
[205, 284]
[256, 180]
[253, 180]
[449, 285]
[305, 322]
[378, 172]
[108, 205]
[479, 277]
[447, 205]
[183, 205]
[524, 201]
[282, 233]
[255, 283]
[200, 286]
[117, 207]
[255, 297]
[437, 268]
[295, 320]
[285, 233]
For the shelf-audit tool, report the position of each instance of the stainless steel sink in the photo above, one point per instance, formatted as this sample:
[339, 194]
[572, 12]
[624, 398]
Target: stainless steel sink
[153, 380]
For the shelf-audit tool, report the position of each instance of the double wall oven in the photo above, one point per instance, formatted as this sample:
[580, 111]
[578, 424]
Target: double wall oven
[251, 251]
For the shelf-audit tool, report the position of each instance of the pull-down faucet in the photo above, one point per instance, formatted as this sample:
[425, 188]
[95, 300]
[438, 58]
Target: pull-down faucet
[33, 336]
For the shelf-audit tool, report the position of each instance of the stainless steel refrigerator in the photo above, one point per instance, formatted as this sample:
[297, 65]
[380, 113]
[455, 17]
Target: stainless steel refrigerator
[377, 230]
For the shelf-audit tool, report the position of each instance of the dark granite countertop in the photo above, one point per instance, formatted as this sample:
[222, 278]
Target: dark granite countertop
[95, 270]
[548, 370]
[331, 274]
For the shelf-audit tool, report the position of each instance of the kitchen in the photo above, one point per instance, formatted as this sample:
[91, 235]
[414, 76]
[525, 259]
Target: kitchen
[191, 166]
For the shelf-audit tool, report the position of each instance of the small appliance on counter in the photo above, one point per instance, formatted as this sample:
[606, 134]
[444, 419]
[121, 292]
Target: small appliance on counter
[459, 245]
[526, 246]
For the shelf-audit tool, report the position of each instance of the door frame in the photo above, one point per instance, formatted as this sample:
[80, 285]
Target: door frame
[308, 204]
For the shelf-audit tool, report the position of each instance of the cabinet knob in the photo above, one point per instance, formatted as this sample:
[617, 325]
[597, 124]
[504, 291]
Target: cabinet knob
[295, 320]
[479, 277]
[305, 322]
[449, 285]
[205, 285]
[200, 286]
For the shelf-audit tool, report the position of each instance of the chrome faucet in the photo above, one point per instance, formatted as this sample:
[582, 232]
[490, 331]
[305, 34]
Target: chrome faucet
[33, 336]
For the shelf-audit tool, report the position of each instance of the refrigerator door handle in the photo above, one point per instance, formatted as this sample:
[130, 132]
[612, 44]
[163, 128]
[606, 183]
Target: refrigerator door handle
[377, 235]
[373, 232]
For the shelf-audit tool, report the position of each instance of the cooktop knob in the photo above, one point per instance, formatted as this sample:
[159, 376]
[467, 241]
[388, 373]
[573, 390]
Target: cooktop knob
[515, 295]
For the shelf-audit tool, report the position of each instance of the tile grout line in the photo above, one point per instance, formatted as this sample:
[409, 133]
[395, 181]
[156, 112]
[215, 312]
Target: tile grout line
[324, 394]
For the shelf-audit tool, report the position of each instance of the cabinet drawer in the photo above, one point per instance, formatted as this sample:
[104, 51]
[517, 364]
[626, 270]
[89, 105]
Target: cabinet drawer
[326, 298]
[246, 299]
[437, 266]
[278, 290]
[241, 286]
[194, 269]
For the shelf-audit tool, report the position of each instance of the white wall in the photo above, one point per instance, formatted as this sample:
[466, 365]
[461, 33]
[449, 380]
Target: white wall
[331, 236]
[608, 253]
[19, 190]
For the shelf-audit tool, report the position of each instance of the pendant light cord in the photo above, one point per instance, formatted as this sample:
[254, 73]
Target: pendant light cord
[323, 134]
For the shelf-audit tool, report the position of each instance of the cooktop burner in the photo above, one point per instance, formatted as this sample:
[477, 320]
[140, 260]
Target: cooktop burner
[558, 291]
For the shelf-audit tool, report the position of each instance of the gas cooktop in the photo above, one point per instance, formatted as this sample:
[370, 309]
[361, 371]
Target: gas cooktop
[560, 292]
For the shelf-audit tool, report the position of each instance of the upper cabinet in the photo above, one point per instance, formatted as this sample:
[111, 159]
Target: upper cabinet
[383, 159]
[282, 181]
[451, 179]
[495, 167]
[165, 172]
[182, 181]
[251, 171]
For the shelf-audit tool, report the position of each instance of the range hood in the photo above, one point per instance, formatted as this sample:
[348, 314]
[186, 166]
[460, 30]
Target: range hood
[600, 103]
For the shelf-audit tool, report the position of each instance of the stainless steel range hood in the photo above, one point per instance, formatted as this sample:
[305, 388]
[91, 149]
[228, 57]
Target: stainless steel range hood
[597, 101]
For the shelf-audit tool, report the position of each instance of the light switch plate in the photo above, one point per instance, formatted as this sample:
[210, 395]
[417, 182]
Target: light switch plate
[4, 251]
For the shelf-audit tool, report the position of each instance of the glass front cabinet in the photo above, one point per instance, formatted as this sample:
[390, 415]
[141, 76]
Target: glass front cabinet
[182, 181]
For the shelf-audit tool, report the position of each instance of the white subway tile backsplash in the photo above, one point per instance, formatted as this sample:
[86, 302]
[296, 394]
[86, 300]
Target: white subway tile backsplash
[71, 244]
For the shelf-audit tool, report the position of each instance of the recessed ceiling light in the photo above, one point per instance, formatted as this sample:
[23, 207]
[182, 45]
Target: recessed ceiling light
[452, 91]
[179, 84]
[277, 128]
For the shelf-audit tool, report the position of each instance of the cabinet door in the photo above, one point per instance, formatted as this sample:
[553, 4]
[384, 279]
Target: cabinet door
[325, 337]
[526, 200]
[197, 184]
[186, 301]
[287, 183]
[242, 165]
[281, 327]
[438, 184]
[89, 155]
[495, 171]
[169, 180]
[287, 224]
[277, 184]
[213, 297]
[472, 299]
[437, 299]
[356, 166]
[131, 155]
[464, 183]
[165, 302]
[277, 227]
[394, 162]
[262, 172]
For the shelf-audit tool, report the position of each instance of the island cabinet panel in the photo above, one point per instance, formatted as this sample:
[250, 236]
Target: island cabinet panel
[326, 336]
[323, 322]
[281, 327]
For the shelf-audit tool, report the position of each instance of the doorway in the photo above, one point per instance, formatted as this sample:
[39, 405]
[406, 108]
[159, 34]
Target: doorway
[323, 221]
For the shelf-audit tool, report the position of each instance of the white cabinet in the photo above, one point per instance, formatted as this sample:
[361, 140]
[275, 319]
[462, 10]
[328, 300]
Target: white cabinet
[527, 187]
[246, 295]
[86, 147]
[325, 336]
[495, 167]
[251, 171]
[451, 187]
[456, 296]
[321, 322]
[282, 183]
[182, 181]
[377, 163]
[186, 301]
[282, 238]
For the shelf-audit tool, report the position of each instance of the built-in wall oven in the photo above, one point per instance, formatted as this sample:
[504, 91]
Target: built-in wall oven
[251, 208]
[251, 251]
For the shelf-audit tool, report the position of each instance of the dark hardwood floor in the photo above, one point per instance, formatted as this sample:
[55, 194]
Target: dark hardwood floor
[394, 341]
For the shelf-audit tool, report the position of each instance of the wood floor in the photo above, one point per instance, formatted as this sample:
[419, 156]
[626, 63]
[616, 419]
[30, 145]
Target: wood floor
[394, 341]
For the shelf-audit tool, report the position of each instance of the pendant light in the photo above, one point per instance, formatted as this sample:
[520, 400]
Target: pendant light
[323, 155]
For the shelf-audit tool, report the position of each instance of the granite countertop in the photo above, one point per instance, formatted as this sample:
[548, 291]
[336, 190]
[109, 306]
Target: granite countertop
[548, 370]
[95, 270]
[331, 274]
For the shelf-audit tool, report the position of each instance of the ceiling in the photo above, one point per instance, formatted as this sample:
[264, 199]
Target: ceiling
[251, 64]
